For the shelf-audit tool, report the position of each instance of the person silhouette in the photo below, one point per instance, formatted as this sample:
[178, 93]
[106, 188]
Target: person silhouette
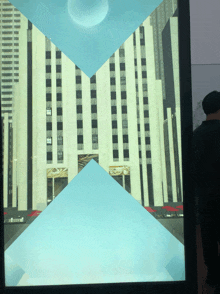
[205, 171]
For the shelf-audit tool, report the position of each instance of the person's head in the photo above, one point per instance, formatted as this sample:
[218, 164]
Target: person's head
[211, 105]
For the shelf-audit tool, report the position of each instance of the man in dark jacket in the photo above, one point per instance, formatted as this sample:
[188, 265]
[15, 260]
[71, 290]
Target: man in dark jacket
[205, 171]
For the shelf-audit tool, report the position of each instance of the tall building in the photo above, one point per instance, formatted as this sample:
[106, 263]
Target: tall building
[126, 117]
[9, 70]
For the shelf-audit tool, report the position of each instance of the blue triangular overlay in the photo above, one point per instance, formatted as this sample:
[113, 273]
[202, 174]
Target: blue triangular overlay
[95, 232]
[88, 47]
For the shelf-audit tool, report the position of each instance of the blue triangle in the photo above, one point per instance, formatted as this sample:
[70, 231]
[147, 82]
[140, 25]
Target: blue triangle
[88, 47]
[95, 232]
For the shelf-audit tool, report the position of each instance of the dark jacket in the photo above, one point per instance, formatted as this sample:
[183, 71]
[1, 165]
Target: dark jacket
[205, 165]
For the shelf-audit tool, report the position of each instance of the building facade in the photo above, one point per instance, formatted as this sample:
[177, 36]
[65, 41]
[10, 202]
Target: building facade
[126, 117]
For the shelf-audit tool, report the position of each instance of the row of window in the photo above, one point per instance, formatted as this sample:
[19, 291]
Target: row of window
[59, 155]
[148, 154]
[144, 74]
[59, 140]
[48, 54]
[59, 111]
[58, 82]
[143, 61]
[112, 66]
[10, 20]
[93, 95]
[94, 124]
[122, 81]
[48, 68]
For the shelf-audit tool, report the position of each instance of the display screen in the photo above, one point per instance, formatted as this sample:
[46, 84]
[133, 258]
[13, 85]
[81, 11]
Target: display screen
[92, 159]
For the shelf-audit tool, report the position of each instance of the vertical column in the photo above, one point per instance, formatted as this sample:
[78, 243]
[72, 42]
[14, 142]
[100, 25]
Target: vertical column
[141, 115]
[118, 106]
[39, 182]
[176, 78]
[5, 169]
[104, 116]
[69, 117]
[54, 103]
[172, 159]
[132, 120]
[155, 102]
[14, 124]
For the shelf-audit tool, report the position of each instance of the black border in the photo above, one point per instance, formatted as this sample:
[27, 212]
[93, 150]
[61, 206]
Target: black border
[190, 285]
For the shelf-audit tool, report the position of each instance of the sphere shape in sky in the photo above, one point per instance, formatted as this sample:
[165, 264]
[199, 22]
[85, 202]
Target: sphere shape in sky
[88, 13]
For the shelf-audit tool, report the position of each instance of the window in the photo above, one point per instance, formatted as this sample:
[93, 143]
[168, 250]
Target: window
[114, 124]
[136, 75]
[115, 139]
[144, 74]
[48, 68]
[124, 109]
[94, 138]
[93, 93]
[58, 68]
[145, 100]
[147, 140]
[123, 95]
[144, 87]
[121, 52]
[134, 39]
[112, 66]
[126, 153]
[78, 79]
[143, 61]
[48, 54]
[146, 113]
[79, 108]
[142, 42]
[135, 61]
[59, 111]
[80, 139]
[139, 154]
[78, 94]
[59, 96]
[49, 111]
[48, 82]
[139, 140]
[125, 138]
[115, 153]
[58, 54]
[123, 80]
[94, 123]
[113, 95]
[60, 155]
[49, 126]
[59, 125]
[93, 79]
[79, 124]
[138, 127]
[147, 127]
[60, 140]
[122, 66]
[76, 67]
[148, 154]
[49, 155]
[49, 140]
[114, 110]
[94, 108]
[112, 81]
[59, 83]
[124, 124]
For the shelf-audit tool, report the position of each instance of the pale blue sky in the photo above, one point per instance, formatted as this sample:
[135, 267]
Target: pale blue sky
[88, 48]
